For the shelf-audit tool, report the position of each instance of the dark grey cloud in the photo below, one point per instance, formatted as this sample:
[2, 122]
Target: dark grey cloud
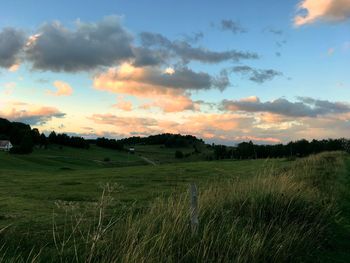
[182, 78]
[149, 57]
[232, 26]
[221, 81]
[88, 46]
[11, 43]
[35, 118]
[186, 52]
[257, 75]
[325, 106]
[188, 79]
[304, 107]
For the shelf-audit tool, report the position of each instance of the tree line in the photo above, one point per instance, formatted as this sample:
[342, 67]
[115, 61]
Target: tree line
[24, 138]
[300, 148]
[167, 139]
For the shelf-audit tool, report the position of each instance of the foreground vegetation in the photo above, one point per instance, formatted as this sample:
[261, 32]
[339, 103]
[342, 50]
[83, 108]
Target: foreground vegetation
[258, 211]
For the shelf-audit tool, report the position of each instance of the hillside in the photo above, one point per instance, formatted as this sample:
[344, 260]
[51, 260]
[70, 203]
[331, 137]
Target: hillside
[34, 193]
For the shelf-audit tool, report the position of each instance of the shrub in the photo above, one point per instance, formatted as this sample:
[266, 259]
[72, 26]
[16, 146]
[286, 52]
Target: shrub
[179, 154]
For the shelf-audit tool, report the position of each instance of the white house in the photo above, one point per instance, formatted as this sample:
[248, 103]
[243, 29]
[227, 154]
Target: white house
[5, 146]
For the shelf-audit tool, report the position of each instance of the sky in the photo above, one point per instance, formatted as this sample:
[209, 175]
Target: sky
[225, 71]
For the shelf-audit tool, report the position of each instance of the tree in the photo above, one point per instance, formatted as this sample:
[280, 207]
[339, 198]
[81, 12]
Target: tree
[35, 136]
[43, 141]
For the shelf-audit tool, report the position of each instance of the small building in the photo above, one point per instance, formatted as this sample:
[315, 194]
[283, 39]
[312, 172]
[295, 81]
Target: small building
[132, 150]
[5, 145]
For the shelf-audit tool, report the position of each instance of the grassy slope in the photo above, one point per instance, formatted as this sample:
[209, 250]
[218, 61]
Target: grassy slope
[339, 246]
[66, 157]
[30, 185]
[279, 216]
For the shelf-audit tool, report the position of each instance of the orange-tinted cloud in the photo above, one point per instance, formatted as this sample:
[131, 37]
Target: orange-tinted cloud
[29, 113]
[327, 10]
[258, 139]
[14, 67]
[151, 84]
[62, 89]
[123, 105]
[224, 127]
[127, 125]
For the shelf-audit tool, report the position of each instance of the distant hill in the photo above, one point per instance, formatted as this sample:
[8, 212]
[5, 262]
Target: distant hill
[23, 137]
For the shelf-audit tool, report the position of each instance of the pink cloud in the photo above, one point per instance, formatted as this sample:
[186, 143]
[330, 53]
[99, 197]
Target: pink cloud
[29, 113]
[123, 105]
[62, 89]
[322, 10]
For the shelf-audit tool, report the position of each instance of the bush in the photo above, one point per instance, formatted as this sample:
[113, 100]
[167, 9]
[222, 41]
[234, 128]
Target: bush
[25, 147]
[179, 154]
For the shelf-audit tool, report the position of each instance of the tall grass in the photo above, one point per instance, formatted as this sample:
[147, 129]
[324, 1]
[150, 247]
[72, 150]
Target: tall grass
[277, 216]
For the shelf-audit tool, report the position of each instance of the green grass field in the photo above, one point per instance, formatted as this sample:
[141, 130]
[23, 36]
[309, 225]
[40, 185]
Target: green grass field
[35, 187]
[31, 184]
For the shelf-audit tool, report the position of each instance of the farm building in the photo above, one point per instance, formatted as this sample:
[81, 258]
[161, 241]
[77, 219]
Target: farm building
[5, 145]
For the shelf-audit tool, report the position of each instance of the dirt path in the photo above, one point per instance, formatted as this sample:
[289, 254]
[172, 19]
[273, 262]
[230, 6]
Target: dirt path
[148, 161]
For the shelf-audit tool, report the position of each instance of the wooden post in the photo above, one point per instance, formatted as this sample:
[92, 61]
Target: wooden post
[194, 208]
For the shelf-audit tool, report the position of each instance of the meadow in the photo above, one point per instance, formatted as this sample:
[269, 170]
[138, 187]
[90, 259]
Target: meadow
[71, 205]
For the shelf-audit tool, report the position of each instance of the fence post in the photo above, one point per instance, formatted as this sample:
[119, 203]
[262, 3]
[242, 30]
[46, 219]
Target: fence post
[194, 208]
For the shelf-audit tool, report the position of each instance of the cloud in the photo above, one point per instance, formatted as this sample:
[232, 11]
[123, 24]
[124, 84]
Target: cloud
[106, 43]
[169, 103]
[124, 125]
[226, 128]
[267, 124]
[183, 78]
[123, 104]
[277, 32]
[311, 11]
[11, 43]
[150, 57]
[166, 90]
[62, 89]
[14, 67]
[90, 45]
[232, 26]
[304, 107]
[257, 75]
[194, 37]
[186, 52]
[29, 114]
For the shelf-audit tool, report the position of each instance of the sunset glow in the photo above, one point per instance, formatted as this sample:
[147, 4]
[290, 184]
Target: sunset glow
[234, 77]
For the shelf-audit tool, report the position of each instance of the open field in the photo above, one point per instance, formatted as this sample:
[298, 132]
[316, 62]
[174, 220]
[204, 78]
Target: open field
[30, 184]
[56, 157]
[160, 154]
[244, 205]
